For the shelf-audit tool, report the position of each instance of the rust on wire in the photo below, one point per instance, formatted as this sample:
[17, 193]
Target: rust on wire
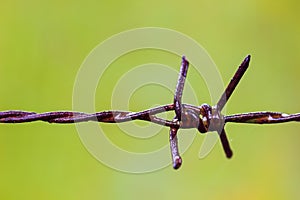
[205, 118]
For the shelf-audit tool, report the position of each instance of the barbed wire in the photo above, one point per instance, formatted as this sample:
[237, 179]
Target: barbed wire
[205, 118]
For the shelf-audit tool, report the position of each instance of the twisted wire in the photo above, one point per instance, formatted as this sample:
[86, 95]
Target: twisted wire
[16, 116]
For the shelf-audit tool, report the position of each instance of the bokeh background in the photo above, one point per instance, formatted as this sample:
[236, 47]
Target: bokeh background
[42, 45]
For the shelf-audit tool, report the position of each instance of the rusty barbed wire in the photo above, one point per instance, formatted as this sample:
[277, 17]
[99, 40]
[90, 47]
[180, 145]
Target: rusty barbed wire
[205, 118]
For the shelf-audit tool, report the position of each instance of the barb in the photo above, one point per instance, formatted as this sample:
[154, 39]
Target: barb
[204, 118]
[233, 83]
[224, 98]
[176, 158]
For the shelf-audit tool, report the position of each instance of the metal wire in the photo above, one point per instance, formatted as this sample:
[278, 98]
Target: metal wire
[204, 118]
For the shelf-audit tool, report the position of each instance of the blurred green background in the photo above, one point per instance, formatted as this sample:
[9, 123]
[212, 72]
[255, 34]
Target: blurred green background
[42, 45]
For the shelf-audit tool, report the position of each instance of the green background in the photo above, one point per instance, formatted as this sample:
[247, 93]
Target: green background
[42, 45]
